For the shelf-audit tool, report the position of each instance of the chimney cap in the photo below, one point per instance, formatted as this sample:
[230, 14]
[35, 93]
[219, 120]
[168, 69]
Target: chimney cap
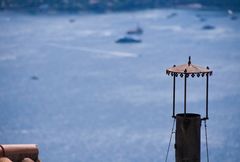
[188, 69]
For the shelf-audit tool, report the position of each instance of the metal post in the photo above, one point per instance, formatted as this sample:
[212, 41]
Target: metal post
[174, 83]
[185, 94]
[207, 96]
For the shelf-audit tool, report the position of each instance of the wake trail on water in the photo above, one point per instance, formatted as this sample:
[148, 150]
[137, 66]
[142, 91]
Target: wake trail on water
[96, 51]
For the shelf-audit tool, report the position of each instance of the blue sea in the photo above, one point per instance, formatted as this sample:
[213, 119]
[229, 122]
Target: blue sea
[68, 87]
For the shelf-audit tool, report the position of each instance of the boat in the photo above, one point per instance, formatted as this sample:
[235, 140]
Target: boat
[208, 27]
[172, 15]
[137, 31]
[128, 39]
[232, 15]
[201, 18]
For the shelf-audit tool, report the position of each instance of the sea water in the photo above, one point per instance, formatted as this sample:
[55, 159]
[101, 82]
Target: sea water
[68, 87]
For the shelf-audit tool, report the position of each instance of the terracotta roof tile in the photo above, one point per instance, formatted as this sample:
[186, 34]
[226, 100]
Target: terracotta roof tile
[17, 153]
